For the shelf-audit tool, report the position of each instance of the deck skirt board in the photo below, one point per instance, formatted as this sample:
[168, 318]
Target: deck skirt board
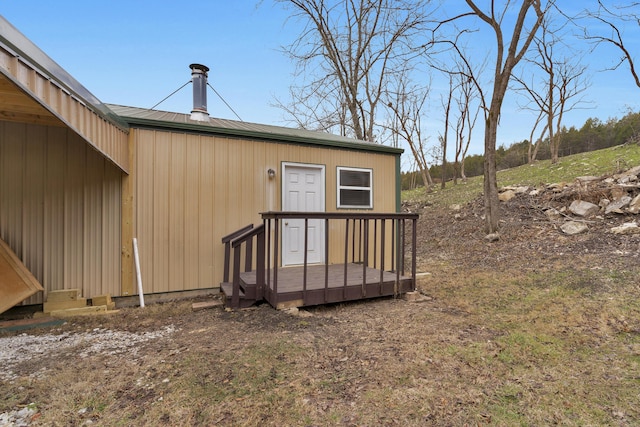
[290, 284]
[291, 278]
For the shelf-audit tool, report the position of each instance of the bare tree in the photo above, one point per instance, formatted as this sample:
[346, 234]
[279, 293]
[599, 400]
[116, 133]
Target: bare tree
[464, 86]
[443, 139]
[508, 54]
[614, 18]
[570, 84]
[561, 81]
[345, 53]
[534, 143]
[406, 105]
[467, 117]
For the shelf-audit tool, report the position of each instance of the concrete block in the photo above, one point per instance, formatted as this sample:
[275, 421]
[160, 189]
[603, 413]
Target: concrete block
[415, 296]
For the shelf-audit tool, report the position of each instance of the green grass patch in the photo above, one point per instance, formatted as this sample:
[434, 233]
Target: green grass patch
[525, 348]
[251, 371]
[597, 163]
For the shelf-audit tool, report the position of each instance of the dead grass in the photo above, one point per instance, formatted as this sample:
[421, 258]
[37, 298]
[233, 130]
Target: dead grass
[488, 348]
[560, 353]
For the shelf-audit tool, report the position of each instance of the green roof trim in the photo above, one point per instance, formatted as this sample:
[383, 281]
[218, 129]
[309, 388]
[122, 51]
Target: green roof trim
[176, 121]
[398, 185]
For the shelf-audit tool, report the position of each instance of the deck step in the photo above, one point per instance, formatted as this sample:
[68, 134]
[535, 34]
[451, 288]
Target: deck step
[227, 289]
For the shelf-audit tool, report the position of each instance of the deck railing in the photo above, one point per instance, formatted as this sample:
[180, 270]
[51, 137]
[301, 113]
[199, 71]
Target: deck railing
[370, 240]
[364, 238]
[245, 238]
[226, 241]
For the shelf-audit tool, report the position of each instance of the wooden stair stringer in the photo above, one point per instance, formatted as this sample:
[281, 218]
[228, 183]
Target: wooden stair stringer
[245, 300]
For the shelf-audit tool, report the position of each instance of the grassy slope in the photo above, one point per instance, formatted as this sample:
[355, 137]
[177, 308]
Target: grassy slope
[608, 161]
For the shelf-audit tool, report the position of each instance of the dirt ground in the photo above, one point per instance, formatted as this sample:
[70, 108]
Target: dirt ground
[529, 240]
[379, 362]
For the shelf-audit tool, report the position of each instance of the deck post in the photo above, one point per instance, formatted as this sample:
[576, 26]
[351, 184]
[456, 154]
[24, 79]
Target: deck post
[235, 293]
[326, 259]
[248, 255]
[394, 243]
[305, 257]
[227, 257]
[413, 256]
[404, 230]
[375, 241]
[346, 256]
[366, 257]
[267, 222]
[275, 262]
[353, 240]
[382, 245]
[360, 240]
[399, 245]
[260, 265]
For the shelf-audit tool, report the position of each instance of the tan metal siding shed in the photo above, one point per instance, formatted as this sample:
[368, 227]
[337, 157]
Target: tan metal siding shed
[191, 189]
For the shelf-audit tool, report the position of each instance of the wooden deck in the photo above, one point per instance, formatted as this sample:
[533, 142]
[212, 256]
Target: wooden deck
[377, 249]
[327, 284]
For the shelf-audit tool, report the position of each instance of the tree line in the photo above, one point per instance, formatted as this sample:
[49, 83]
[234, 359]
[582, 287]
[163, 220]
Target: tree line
[594, 134]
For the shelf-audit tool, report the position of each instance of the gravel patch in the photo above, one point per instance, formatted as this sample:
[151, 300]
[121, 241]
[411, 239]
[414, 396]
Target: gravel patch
[17, 349]
[18, 418]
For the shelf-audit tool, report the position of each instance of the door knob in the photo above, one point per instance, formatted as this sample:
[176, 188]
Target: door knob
[286, 223]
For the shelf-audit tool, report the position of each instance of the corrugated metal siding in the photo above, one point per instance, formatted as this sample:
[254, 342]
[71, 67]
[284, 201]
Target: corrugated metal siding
[60, 207]
[191, 189]
[107, 137]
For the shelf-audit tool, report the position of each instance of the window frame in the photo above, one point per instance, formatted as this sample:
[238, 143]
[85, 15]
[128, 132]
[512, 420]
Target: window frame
[339, 187]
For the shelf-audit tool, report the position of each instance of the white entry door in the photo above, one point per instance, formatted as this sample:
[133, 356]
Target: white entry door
[302, 191]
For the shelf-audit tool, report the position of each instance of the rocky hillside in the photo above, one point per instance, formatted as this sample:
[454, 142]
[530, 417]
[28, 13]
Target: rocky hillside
[573, 206]
[587, 222]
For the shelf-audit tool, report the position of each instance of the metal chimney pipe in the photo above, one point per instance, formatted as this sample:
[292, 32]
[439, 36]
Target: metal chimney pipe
[199, 80]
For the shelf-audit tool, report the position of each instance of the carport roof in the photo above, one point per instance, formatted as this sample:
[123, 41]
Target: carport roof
[35, 90]
[35, 59]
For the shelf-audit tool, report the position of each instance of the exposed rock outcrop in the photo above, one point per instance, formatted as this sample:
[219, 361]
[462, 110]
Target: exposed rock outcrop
[587, 200]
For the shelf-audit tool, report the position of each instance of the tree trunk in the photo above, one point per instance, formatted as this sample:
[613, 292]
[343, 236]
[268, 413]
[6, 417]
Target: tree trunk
[501, 81]
[534, 155]
[491, 202]
[444, 170]
[462, 173]
[426, 179]
[553, 146]
[456, 171]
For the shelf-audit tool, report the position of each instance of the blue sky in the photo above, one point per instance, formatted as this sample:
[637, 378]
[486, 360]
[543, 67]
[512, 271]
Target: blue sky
[136, 52]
